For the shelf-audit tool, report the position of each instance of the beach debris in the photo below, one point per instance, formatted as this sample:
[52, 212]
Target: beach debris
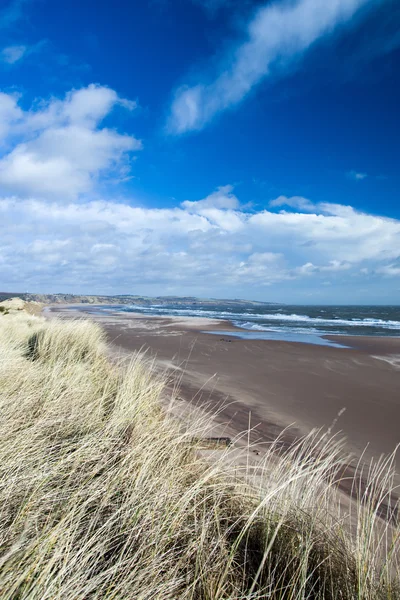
[214, 441]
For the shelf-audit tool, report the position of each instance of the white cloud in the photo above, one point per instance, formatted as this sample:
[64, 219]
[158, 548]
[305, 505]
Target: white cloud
[103, 246]
[15, 53]
[221, 198]
[12, 54]
[59, 147]
[356, 176]
[277, 33]
[333, 266]
[390, 270]
[300, 204]
[293, 202]
[261, 268]
[10, 113]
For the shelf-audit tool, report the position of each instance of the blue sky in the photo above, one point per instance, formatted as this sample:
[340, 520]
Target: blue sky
[218, 148]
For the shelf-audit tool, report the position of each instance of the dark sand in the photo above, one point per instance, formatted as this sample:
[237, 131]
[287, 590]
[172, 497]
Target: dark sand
[274, 384]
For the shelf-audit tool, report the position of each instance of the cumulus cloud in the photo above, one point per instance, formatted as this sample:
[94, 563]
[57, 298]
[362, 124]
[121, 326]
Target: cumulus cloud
[10, 113]
[293, 202]
[59, 147]
[114, 247]
[300, 204]
[333, 265]
[277, 33]
[221, 198]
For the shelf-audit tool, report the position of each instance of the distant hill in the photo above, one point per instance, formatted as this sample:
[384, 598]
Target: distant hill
[128, 299]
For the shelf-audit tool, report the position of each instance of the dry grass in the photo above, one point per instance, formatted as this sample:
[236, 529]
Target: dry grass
[104, 496]
[13, 305]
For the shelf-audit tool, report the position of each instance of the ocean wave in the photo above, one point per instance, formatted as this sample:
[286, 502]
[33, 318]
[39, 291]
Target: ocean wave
[261, 321]
[279, 328]
[355, 322]
[293, 318]
[192, 312]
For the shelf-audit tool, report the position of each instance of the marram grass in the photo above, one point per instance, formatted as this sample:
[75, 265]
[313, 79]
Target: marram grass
[103, 495]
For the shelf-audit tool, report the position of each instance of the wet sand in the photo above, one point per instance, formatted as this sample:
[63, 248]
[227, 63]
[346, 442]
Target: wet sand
[273, 384]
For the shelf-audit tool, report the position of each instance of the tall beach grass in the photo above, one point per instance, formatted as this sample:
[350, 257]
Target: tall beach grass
[104, 495]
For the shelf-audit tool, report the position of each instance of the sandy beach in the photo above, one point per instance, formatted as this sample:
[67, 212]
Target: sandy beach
[271, 385]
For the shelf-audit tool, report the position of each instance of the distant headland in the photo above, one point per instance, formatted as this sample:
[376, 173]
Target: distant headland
[129, 299]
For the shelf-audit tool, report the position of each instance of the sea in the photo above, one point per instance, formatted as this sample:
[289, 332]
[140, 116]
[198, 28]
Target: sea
[283, 321]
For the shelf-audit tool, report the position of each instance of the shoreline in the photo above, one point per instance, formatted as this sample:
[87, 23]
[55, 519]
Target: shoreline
[388, 344]
[350, 391]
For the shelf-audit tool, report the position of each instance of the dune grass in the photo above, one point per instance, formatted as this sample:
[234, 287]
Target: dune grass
[103, 495]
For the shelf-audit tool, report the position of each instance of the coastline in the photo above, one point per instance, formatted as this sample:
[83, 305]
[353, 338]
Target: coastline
[271, 385]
